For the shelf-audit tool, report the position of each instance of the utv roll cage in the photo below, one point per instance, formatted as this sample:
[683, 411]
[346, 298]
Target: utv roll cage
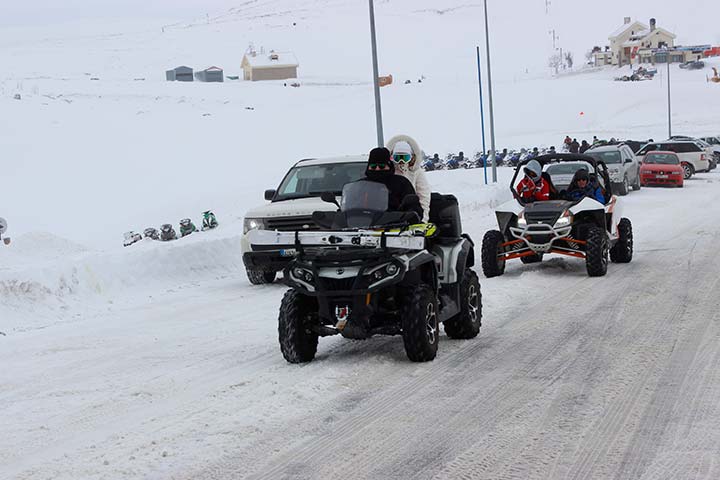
[599, 174]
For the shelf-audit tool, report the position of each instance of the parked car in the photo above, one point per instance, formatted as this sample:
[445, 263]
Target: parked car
[693, 156]
[291, 207]
[693, 65]
[713, 152]
[623, 166]
[661, 168]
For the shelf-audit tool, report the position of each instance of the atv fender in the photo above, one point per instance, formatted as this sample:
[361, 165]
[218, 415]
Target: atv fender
[420, 268]
[454, 258]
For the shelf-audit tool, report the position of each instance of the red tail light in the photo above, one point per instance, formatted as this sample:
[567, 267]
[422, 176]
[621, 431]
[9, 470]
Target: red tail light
[703, 157]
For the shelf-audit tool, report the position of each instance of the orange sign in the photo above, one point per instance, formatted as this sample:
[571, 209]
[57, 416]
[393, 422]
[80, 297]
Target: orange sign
[385, 81]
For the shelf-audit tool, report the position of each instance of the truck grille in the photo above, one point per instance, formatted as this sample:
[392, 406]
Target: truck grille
[291, 224]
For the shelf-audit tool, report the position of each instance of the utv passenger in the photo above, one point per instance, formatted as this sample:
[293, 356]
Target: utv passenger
[380, 169]
[533, 187]
[405, 155]
[582, 187]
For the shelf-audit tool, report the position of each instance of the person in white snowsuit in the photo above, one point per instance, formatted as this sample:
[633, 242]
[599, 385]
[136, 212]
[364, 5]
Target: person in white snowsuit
[401, 146]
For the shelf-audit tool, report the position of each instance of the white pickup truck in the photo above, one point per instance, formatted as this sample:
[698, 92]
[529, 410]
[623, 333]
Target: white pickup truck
[290, 208]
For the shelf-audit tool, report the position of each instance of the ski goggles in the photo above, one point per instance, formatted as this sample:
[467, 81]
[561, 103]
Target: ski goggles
[378, 166]
[402, 157]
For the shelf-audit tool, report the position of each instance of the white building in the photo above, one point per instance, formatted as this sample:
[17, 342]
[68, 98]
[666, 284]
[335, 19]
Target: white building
[633, 40]
[269, 66]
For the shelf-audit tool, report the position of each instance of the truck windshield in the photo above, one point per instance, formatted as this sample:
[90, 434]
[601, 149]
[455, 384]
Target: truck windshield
[607, 157]
[313, 180]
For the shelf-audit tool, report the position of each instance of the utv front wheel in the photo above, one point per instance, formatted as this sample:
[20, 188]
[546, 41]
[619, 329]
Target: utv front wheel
[467, 323]
[420, 327]
[596, 253]
[622, 252]
[297, 343]
[493, 261]
[260, 277]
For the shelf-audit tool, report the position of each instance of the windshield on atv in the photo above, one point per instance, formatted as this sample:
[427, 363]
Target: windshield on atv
[662, 159]
[313, 180]
[607, 157]
[364, 195]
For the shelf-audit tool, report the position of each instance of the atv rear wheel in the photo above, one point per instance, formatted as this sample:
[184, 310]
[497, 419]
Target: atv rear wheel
[493, 264]
[622, 252]
[466, 324]
[535, 258]
[420, 327]
[298, 344]
[260, 277]
[596, 253]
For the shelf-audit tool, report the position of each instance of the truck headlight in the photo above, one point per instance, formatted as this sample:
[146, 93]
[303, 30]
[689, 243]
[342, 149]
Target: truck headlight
[253, 224]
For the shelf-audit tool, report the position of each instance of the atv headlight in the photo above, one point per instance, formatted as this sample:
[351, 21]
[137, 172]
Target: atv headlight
[382, 273]
[565, 220]
[253, 224]
[522, 223]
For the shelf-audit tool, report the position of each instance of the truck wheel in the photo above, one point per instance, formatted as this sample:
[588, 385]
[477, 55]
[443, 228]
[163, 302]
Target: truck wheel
[636, 186]
[298, 344]
[596, 253]
[420, 327]
[624, 187]
[492, 264]
[536, 258]
[622, 252]
[687, 170]
[467, 323]
[260, 277]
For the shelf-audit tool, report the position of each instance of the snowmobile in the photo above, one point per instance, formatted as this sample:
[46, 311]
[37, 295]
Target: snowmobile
[3, 229]
[585, 229]
[374, 272]
[131, 238]
[209, 221]
[167, 233]
[151, 233]
[187, 227]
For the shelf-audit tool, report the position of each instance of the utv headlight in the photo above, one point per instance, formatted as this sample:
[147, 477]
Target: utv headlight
[522, 223]
[253, 224]
[564, 221]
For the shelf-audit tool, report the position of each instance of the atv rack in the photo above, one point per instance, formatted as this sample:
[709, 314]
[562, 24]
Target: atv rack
[364, 238]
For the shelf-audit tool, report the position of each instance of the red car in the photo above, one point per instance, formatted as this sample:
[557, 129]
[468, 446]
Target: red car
[661, 168]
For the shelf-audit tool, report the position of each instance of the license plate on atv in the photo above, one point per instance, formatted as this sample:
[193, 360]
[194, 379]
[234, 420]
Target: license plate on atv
[661, 176]
[290, 252]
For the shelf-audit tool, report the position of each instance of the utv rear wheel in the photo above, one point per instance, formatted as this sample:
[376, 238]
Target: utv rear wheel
[596, 253]
[535, 258]
[467, 323]
[420, 327]
[298, 344]
[493, 264]
[260, 277]
[622, 252]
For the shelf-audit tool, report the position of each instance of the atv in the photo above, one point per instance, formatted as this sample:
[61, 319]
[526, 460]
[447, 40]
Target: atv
[586, 229]
[373, 272]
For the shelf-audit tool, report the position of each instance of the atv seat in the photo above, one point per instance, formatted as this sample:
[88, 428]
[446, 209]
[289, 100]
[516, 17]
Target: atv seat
[445, 214]
[554, 194]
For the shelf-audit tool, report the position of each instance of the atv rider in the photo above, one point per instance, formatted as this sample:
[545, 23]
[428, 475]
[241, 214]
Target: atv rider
[582, 187]
[381, 169]
[533, 187]
[406, 152]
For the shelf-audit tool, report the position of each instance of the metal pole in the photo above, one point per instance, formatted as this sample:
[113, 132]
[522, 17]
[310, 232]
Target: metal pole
[376, 78]
[490, 99]
[669, 104]
[482, 115]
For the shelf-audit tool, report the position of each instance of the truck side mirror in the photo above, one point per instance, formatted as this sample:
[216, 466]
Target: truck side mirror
[269, 194]
[628, 160]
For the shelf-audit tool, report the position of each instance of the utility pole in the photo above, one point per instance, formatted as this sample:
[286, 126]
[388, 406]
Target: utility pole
[669, 102]
[376, 78]
[554, 37]
[490, 99]
[482, 116]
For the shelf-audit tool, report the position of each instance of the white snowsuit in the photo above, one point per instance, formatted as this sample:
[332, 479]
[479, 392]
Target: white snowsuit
[415, 174]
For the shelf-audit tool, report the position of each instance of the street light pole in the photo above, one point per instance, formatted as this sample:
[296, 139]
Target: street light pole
[490, 100]
[376, 77]
[669, 103]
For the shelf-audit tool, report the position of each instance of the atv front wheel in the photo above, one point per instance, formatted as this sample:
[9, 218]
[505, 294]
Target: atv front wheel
[298, 344]
[466, 324]
[420, 327]
[622, 252]
[535, 258]
[493, 264]
[596, 253]
[260, 277]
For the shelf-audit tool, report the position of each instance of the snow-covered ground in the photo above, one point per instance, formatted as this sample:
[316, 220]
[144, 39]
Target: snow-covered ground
[161, 361]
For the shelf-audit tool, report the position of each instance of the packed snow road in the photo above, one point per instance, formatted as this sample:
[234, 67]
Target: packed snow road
[571, 377]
